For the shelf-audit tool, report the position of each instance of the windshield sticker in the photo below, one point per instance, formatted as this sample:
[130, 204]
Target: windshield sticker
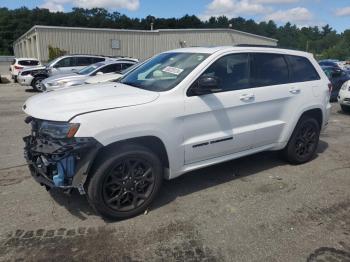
[173, 70]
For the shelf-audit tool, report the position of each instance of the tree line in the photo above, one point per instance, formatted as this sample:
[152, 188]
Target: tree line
[324, 42]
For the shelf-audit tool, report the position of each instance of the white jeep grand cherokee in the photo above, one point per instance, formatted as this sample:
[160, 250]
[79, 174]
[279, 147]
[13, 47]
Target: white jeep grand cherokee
[182, 110]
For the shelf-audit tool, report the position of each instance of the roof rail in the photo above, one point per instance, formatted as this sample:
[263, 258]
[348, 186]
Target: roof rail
[117, 56]
[251, 45]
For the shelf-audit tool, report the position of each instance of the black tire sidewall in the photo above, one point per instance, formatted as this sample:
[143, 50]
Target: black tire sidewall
[35, 80]
[95, 183]
[290, 153]
[345, 109]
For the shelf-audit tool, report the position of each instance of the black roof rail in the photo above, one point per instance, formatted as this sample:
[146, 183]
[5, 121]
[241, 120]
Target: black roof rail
[117, 56]
[268, 46]
[251, 45]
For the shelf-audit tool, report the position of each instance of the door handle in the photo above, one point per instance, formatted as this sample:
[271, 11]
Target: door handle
[294, 90]
[247, 97]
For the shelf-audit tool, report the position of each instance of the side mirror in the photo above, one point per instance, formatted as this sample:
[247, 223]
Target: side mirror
[99, 73]
[205, 85]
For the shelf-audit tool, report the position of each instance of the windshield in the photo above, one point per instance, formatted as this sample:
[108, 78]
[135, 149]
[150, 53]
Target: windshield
[129, 69]
[89, 69]
[164, 71]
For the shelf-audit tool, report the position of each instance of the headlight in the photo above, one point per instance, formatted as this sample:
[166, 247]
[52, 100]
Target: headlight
[58, 129]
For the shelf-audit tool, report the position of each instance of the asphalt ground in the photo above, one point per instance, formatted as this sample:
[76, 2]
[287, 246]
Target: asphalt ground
[257, 208]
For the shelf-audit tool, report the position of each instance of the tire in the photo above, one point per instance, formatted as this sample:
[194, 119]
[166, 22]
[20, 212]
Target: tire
[303, 143]
[345, 109]
[118, 186]
[36, 83]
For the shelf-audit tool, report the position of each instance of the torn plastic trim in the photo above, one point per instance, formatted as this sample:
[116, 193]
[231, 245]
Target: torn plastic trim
[60, 163]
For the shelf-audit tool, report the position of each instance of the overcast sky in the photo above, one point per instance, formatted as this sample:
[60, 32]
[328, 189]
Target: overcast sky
[300, 12]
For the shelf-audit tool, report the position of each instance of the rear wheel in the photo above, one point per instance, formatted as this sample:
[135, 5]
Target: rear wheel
[345, 108]
[125, 181]
[303, 143]
[36, 84]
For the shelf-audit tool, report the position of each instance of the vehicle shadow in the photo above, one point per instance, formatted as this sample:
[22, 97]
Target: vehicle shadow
[222, 173]
[76, 204]
[31, 90]
[341, 112]
[189, 183]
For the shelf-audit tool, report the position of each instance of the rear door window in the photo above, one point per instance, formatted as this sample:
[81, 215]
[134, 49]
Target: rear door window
[66, 62]
[28, 62]
[268, 70]
[110, 68]
[83, 61]
[97, 59]
[301, 69]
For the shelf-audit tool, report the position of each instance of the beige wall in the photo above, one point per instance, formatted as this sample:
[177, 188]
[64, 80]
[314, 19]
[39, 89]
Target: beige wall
[27, 46]
[138, 44]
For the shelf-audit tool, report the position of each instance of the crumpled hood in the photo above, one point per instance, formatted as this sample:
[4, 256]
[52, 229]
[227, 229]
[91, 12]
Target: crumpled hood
[64, 104]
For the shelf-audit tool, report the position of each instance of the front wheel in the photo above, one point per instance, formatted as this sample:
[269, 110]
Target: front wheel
[303, 143]
[125, 181]
[36, 84]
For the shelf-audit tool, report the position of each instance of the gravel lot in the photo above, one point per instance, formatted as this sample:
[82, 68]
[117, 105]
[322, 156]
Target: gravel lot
[257, 208]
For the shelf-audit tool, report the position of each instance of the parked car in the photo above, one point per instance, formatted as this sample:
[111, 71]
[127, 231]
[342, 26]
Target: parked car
[110, 77]
[330, 63]
[180, 111]
[344, 65]
[344, 97]
[64, 64]
[32, 77]
[19, 64]
[337, 77]
[78, 78]
[72, 63]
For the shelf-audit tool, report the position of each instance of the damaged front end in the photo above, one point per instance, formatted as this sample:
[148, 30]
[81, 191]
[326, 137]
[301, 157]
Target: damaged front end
[58, 162]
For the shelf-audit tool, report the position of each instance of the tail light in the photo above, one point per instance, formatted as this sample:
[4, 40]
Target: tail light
[18, 67]
[330, 88]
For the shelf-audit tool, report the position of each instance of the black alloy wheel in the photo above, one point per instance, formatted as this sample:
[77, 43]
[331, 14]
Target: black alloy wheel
[128, 184]
[36, 84]
[303, 143]
[124, 181]
[306, 140]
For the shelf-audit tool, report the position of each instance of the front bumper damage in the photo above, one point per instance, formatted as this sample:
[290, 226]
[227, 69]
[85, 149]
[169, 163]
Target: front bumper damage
[60, 163]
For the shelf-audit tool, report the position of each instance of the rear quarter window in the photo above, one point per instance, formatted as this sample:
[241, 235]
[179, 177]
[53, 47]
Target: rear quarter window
[28, 62]
[302, 69]
[83, 61]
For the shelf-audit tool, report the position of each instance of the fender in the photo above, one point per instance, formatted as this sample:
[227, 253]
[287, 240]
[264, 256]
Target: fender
[174, 153]
[297, 117]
